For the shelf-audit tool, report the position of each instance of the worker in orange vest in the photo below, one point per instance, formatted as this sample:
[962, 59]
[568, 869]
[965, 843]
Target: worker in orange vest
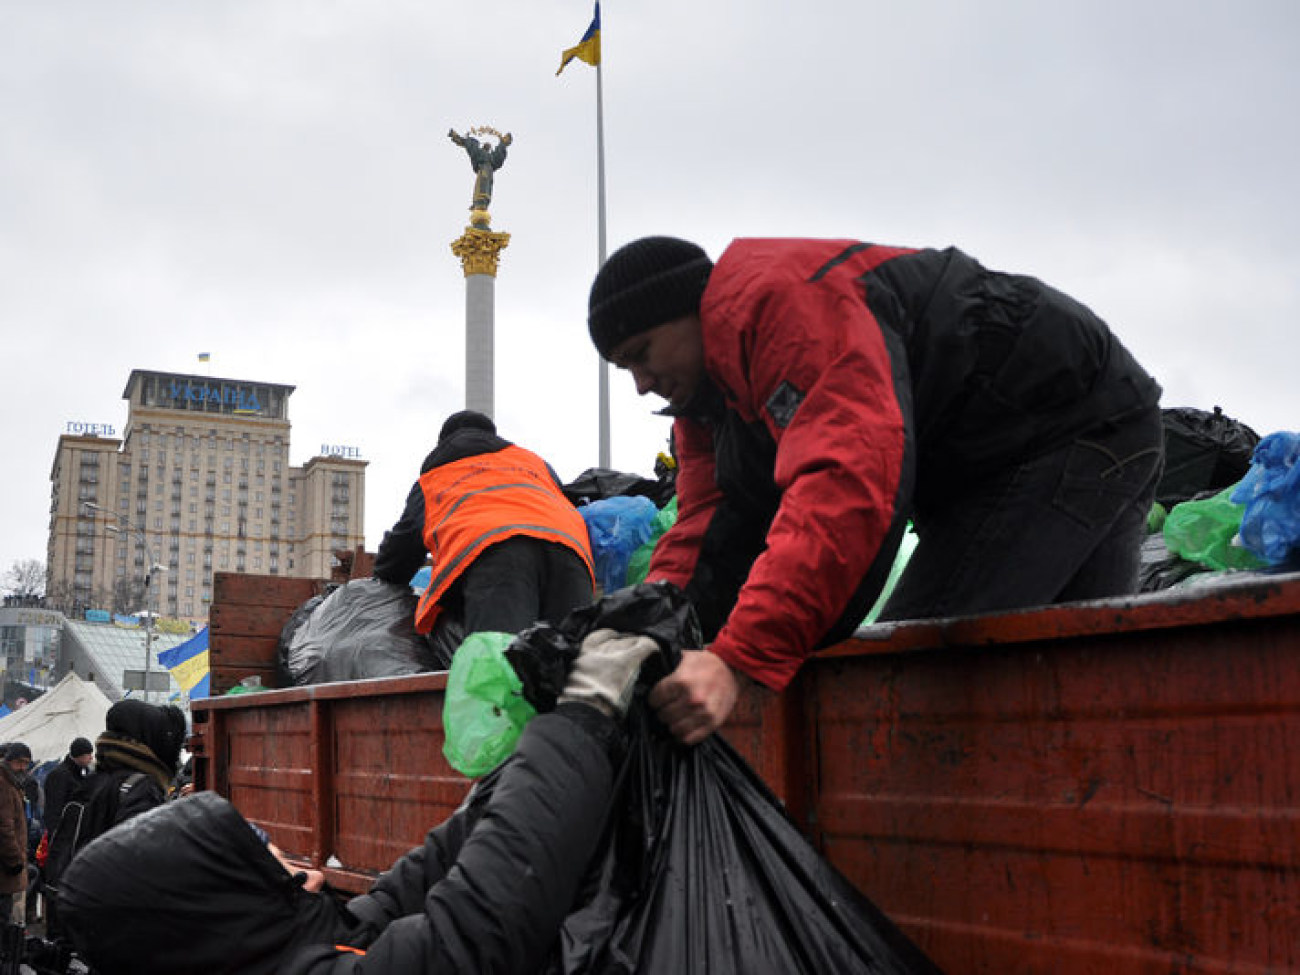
[507, 548]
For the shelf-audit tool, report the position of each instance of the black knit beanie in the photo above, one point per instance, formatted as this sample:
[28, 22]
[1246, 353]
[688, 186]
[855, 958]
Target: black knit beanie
[645, 284]
[17, 749]
[466, 419]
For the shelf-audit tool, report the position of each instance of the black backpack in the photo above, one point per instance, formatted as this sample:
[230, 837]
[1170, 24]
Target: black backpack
[89, 811]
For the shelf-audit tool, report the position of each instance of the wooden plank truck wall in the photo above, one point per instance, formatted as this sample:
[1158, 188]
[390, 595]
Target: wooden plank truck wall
[1112, 786]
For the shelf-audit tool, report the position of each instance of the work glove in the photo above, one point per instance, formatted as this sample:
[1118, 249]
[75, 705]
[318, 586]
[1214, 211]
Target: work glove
[606, 670]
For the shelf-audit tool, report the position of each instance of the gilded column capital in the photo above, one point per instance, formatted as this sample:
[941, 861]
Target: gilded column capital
[479, 250]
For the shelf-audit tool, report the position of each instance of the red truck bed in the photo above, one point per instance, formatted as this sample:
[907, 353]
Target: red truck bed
[1109, 787]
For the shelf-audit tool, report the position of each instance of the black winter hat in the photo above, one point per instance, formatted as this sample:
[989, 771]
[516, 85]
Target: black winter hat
[81, 746]
[17, 749]
[159, 727]
[466, 419]
[644, 284]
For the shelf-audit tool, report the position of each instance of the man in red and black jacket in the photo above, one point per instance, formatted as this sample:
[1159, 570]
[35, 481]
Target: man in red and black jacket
[826, 392]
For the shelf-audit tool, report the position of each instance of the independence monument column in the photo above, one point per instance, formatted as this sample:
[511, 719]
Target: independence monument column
[479, 249]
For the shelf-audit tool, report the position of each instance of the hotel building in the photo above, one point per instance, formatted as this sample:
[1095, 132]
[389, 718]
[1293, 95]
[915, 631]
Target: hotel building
[200, 482]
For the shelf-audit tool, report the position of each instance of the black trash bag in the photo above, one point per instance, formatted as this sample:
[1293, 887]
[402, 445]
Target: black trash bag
[1159, 568]
[596, 483]
[541, 656]
[283, 675]
[447, 634]
[1204, 452]
[700, 870]
[363, 629]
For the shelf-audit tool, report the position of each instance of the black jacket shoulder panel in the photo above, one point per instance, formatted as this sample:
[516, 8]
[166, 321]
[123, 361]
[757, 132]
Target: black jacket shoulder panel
[467, 442]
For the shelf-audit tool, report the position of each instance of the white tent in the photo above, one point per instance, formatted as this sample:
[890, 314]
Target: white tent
[72, 708]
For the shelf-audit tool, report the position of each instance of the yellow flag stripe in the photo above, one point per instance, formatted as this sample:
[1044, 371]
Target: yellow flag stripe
[189, 672]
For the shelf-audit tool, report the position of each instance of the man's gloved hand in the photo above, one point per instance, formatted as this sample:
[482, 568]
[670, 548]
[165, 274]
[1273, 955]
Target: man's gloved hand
[606, 670]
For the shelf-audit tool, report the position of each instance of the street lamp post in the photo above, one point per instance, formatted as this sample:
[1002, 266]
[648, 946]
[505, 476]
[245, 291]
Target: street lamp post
[151, 591]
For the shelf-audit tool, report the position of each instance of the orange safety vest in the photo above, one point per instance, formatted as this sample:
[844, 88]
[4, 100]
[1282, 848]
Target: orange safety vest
[478, 501]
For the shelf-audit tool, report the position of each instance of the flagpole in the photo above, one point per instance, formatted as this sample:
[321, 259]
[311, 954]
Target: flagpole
[600, 237]
[588, 50]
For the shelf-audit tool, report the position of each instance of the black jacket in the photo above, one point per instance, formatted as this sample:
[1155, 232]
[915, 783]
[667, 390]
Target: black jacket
[60, 783]
[188, 887]
[490, 887]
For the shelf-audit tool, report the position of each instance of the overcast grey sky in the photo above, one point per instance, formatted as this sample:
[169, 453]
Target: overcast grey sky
[270, 182]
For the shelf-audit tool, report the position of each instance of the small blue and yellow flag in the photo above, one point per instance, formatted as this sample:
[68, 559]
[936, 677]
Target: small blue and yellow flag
[188, 663]
[587, 49]
[204, 357]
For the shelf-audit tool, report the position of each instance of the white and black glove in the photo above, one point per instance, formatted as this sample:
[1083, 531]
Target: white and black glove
[606, 670]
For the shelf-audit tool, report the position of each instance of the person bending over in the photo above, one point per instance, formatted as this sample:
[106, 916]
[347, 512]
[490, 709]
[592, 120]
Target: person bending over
[507, 547]
[824, 392]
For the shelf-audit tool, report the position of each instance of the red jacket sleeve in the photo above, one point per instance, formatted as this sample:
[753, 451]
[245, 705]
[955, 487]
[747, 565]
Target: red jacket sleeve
[778, 339]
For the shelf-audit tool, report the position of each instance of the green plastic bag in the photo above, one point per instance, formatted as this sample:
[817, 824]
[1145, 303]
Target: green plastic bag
[1204, 531]
[485, 710]
[638, 564]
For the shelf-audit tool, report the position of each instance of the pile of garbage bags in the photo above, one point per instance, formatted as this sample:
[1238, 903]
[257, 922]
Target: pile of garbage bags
[699, 869]
[1228, 501]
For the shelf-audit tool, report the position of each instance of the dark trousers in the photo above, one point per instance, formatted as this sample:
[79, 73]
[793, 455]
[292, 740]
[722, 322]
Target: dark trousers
[1061, 527]
[515, 583]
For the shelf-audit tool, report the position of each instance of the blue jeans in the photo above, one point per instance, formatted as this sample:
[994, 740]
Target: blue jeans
[1065, 526]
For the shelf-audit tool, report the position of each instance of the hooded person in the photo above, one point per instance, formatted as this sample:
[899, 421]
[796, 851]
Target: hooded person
[826, 392]
[135, 759]
[190, 887]
[507, 547]
[139, 753]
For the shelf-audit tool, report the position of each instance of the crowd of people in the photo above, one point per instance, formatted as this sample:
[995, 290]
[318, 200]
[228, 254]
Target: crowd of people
[131, 767]
[156, 886]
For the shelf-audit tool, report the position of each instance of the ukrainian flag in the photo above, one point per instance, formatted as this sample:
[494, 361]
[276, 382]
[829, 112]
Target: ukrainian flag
[587, 49]
[188, 663]
[204, 357]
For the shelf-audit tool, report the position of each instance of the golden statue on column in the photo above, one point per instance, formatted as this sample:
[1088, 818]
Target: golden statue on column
[480, 247]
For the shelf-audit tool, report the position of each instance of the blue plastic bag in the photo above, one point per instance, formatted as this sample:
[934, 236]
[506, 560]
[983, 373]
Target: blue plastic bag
[617, 526]
[1270, 524]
